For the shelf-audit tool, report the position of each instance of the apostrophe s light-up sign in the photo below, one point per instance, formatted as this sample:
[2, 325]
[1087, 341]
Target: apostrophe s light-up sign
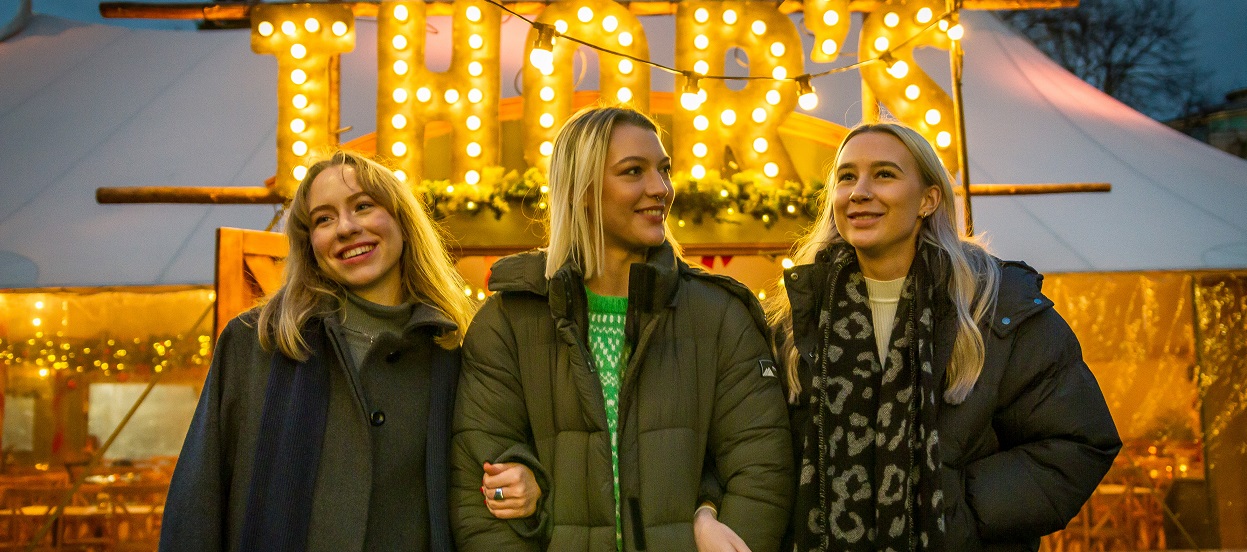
[305, 38]
[710, 119]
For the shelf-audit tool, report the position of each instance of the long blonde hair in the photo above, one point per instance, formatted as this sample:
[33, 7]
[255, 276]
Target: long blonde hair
[427, 273]
[575, 181]
[974, 273]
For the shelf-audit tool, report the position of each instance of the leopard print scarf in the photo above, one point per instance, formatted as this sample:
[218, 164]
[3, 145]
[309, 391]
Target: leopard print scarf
[870, 458]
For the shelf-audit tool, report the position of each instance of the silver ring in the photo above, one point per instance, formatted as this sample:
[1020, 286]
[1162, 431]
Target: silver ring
[498, 494]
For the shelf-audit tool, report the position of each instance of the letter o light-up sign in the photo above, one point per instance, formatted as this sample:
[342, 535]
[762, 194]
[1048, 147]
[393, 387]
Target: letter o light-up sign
[466, 95]
[548, 97]
[304, 38]
[705, 30]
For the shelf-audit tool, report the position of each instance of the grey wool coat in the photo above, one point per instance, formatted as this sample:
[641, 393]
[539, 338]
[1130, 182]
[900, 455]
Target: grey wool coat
[208, 495]
[696, 395]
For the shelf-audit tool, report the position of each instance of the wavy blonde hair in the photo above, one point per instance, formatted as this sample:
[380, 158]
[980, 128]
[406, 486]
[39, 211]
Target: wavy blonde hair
[575, 181]
[428, 275]
[974, 273]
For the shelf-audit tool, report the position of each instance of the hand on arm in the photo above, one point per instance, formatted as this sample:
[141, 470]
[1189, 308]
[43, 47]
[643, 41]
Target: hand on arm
[520, 491]
[712, 536]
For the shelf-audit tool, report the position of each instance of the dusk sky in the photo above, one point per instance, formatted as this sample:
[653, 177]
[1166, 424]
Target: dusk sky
[1220, 45]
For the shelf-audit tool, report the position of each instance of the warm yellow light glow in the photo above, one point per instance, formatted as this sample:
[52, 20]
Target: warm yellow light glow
[759, 115]
[923, 16]
[882, 43]
[298, 76]
[912, 91]
[791, 209]
[702, 15]
[288, 28]
[943, 25]
[728, 117]
[831, 17]
[610, 23]
[723, 193]
[298, 51]
[786, 262]
[729, 16]
[773, 97]
[584, 14]
[38, 304]
[701, 67]
[698, 172]
[899, 69]
[399, 42]
[399, 95]
[779, 73]
[264, 28]
[808, 101]
[829, 47]
[546, 93]
[400, 12]
[691, 97]
[475, 95]
[542, 59]
[400, 67]
[625, 38]
[297, 125]
[943, 139]
[933, 117]
[401, 175]
[700, 122]
[624, 94]
[36, 322]
[299, 172]
[423, 94]
[399, 149]
[472, 177]
[758, 27]
[299, 148]
[956, 32]
[546, 148]
[560, 26]
[475, 41]
[891, 19]
[546, 120]
[475, 68]
[771, 170]
[451, 95]
[625, 66]
[760, 145]
[474, 150]
[338, 28]
[398, 121]
[473, 14]
[700, 150]
[299, 101]
[777, 49]
[473, 122]
[43, 372]
[701, 42]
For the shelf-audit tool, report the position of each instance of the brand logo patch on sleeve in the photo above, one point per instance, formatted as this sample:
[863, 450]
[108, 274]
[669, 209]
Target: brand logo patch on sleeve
[768, 368]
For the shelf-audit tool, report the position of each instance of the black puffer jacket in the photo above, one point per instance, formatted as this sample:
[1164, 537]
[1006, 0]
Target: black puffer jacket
[1028, 446]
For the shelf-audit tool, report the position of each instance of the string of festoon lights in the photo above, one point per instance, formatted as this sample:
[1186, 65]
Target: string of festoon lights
[692, 96]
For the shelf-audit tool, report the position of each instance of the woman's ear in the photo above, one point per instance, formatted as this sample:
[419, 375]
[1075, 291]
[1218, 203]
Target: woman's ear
[931, 198]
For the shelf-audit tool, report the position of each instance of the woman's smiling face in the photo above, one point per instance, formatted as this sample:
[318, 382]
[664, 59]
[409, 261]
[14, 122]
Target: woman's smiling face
[357, 243]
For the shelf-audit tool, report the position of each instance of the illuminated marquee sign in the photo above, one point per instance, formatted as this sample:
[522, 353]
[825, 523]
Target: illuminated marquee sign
[709, 120]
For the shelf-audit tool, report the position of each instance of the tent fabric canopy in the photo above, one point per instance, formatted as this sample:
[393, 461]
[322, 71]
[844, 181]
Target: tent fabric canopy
[88, 106]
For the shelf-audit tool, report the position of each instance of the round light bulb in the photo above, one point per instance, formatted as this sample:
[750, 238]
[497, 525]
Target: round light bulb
[728, 117]
[541, 59]
[546, 120]
[475, 41]
[451, 96]
[584, 14]
[546, 93]
[882, 43]
[698, 172]
[699, 149]
[546, 148]
[299, 101]
[759, 115]
[473, 122]
[400, 67]
[475, 68]
[690, 100]
[956, 32]
[560, 26]
[891, 19]
[777, 49]
[829, 47]
[625, 38]
[298, 76]
[729, 16]
[943, 139]
[923, 16]
[899, 69]
[771, 170]
[760, 145]
[398, 149]
[399, 42]
[299, 148]
[701, 42]
[288, 28]
[933, 117]
[779, 73]
[758, 27]
[625, 66]
[299, 172]
[912, 91]
[298, 51]
[473, 14]
[701, 122]
[400, 12]
[773, 97]
[264, 28]
[474, 149]
[624, 95]
[475, 95]
[831, 17]
[399, 95]
[297, 125]
[701, 67]
[400, 175]
[424, 94]
[808, 101]
[338, 28]
[701, 15]
[472, 177]
[398, 121]
[610, 23]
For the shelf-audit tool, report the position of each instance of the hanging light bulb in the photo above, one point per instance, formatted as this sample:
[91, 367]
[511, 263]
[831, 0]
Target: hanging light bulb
[956, 32]
[691, 98]
[806, 98]
[542, 54]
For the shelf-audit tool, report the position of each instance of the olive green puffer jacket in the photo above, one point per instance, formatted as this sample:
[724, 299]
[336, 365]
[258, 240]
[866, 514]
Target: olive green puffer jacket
[699, 393]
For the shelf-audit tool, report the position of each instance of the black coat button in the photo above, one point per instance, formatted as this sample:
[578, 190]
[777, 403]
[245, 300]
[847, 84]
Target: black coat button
[393, 356]
[378, 418]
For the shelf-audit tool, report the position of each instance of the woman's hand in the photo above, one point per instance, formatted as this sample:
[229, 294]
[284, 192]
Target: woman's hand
[712, 536]
[520, 491]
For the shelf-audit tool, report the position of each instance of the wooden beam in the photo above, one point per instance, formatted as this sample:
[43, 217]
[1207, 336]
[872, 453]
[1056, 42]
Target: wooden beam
[1035, 189]
[239, 12]
[225, 195]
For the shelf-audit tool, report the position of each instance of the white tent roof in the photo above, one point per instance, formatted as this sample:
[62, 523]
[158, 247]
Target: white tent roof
[85, 106]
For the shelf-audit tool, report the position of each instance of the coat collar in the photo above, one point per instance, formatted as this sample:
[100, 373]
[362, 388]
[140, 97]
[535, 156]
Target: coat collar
[652, 285]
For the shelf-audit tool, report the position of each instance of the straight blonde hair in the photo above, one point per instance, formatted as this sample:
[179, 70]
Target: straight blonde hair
[575, 181]
[972, 285]
[428, 275]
